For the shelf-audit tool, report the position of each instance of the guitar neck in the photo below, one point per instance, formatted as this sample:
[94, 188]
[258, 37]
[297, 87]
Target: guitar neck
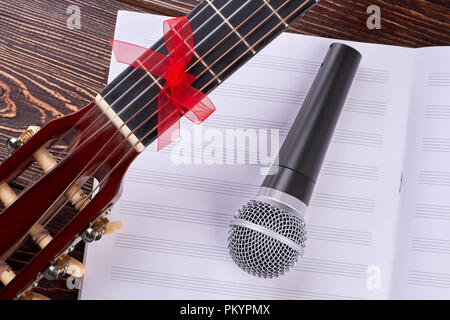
[227, 33]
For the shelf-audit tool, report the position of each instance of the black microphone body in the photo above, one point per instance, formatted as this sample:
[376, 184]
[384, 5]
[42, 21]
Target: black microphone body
[302, 154]
[268, 235]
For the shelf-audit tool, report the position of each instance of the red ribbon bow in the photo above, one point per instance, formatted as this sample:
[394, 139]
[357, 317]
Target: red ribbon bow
[177, 96]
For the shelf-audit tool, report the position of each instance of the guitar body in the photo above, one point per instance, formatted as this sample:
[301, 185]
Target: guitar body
[103, 154]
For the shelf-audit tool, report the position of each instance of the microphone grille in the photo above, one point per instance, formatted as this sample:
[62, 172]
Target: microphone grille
[265, 240]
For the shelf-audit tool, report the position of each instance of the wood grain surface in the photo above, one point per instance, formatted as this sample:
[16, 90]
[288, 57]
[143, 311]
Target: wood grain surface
[48, 70]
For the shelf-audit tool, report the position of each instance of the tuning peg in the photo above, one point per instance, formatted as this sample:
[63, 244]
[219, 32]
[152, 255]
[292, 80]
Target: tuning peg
[6, 274]
[75, 268]
[101, 226]
[42, 238]
[113, 227]
[7, 195]
[13, 144]
[65, 264]
[47, 162]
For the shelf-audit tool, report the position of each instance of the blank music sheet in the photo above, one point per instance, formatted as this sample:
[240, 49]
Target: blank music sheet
[423, 247]
[176, 216]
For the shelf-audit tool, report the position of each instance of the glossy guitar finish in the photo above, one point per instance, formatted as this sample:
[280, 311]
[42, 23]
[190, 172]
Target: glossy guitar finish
[106, 148]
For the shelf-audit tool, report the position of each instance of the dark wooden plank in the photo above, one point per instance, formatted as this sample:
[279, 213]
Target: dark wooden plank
[412, 23]
[48, 70]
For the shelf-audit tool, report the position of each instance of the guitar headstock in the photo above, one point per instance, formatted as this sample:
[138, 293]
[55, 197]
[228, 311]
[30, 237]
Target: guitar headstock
[89, 146]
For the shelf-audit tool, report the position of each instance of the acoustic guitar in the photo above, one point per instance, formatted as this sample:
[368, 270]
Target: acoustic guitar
[101, 140]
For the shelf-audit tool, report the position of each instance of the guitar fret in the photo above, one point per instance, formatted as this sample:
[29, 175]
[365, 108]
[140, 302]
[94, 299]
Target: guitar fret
[230, 25]
[150, 75]
[275, 12]
[207, 67]
[199, 58]
[226, 33]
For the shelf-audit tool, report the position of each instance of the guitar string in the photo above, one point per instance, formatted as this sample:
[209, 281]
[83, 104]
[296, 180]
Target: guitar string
[141, 109]
[200, 59]
[204, 71]
[94, 189]
[132, 148]
[193, 65]
[91, 112]
[209, 68]
[97, 119]
[155, 81]
[216, 13]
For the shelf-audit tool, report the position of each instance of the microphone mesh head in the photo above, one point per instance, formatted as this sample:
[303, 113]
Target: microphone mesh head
[259, 238]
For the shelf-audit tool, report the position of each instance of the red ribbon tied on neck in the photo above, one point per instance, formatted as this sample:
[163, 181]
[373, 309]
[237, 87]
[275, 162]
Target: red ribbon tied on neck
[177, 96]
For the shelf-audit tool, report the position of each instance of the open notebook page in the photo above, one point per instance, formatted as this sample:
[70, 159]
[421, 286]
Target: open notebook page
[424, 239]
[174, 242]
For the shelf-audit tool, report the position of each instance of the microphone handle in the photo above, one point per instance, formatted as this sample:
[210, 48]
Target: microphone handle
[305, 147]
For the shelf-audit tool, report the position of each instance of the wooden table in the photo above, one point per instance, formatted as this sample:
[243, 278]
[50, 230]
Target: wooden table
[48, 70]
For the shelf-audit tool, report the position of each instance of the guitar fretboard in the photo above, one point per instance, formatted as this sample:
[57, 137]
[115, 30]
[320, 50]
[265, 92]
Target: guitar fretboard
[227, 33]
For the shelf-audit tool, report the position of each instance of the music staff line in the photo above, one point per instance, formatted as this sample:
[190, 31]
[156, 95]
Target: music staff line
[436, 145]
[434, 178]
[357, 137]
[312, 67]
[430, 245]
[199, 284]
[296, 98]
[216, 219]
[148, 244]
[243, 190]
[432, 211]
[331, 168]
[351, 137]
[439, 79]
[228, 121]
[429, 279]
[437, 112]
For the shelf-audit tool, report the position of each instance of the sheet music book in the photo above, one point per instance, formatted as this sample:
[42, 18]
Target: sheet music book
[379, 219]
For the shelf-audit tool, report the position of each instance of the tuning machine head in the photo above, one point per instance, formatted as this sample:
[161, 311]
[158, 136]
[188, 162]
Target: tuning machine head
[64, 265]
[53, 273]
[96, 230]
[91, 235]
[13, 144]
[101, 226]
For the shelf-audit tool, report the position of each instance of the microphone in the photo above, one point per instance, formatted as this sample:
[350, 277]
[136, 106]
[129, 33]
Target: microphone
[267, 236]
